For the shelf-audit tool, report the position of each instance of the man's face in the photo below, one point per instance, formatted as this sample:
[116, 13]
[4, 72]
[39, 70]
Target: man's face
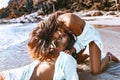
[60, 40]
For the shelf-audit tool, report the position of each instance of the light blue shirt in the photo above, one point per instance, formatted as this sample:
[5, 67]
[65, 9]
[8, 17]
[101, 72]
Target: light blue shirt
[65, 67]
[89, 34]
[23, 73]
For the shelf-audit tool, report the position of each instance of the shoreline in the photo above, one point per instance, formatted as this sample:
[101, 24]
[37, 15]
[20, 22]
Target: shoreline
[92, 17]
[110, 37]
[17, 56]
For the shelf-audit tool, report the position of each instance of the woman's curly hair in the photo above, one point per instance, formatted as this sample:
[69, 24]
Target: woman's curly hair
[39, 44]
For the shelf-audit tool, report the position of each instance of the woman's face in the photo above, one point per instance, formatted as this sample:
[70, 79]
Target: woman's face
[60, 40]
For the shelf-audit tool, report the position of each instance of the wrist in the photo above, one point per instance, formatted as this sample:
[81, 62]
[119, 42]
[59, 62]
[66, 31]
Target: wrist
[74, 53]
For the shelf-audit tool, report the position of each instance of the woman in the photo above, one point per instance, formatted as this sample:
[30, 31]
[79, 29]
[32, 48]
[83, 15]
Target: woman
[86, 35]
[46, 46]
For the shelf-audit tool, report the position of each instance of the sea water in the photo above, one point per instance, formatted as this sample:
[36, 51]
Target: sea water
[13, 41]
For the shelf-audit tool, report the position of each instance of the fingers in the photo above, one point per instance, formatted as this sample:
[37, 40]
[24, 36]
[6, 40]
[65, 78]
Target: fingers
[68, 52]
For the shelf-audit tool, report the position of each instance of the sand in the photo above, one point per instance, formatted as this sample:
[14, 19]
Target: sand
[109, 28]
[110, 34]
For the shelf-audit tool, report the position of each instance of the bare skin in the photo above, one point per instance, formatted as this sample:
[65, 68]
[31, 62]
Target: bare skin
[43, 69]
[1, 76]
[47, 67]
[76, 25]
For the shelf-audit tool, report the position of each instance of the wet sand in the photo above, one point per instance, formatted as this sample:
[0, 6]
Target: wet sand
[111, 40]
[13, 45]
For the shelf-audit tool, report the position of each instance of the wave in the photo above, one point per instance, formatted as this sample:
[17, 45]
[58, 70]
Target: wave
[12, 34]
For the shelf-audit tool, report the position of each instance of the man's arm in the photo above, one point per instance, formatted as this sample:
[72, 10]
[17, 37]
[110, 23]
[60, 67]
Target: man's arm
[73, 22]
[1, 76]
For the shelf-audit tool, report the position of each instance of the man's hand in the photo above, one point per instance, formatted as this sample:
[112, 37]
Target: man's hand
[71, 51]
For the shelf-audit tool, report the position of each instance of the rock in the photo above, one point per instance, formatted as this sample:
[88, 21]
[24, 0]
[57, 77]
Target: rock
[17, 8]
[111, 13]
[97, 13]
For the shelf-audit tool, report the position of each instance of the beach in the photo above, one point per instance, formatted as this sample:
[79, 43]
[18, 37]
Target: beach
[13, 45]
[14, 54]
[109, 28]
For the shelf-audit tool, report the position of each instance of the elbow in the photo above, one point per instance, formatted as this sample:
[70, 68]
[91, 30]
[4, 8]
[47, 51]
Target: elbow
[1, 76]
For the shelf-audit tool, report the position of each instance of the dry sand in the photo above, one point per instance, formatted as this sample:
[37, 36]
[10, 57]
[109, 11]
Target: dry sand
[110, 34]
[109, 28]
[111, 38]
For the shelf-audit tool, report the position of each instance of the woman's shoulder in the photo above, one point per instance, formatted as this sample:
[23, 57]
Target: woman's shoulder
[65, 57]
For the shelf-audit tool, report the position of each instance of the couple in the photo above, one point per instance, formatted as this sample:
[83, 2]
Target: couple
[56, 45]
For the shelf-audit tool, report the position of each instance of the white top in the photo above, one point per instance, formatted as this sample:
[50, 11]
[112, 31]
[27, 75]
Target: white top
[89, 34]
[23, 73]
[65, 67]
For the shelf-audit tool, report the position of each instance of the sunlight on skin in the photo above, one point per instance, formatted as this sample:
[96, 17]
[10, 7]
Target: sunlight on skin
[3, 3]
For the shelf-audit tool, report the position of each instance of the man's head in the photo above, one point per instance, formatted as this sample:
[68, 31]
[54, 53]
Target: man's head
[48, 39]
